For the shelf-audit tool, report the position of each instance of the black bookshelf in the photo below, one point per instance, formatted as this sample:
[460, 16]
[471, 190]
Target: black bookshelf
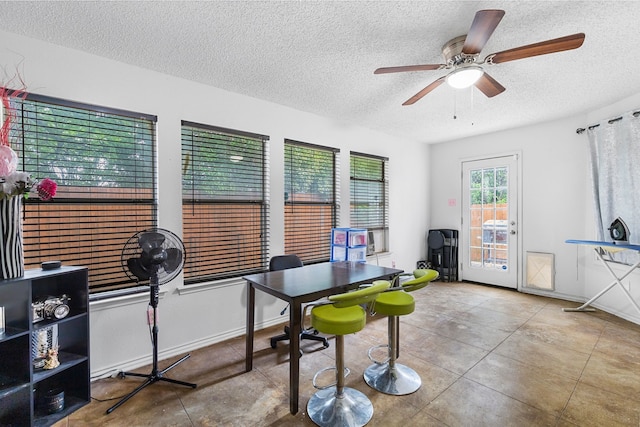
[23, 386]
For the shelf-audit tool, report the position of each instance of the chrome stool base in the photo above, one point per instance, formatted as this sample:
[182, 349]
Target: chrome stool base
[352, 408]
[397, 380]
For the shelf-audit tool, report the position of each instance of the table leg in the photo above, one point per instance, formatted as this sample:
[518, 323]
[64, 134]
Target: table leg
[251, 308]
[295, 321]
[616, 281]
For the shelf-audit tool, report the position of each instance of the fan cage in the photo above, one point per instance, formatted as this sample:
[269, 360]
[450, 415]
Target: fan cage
[132, 249]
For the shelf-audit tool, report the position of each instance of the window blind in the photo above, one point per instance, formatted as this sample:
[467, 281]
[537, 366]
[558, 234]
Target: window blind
[104, 163]
[311, 204]
[370, 196]
[225, 202]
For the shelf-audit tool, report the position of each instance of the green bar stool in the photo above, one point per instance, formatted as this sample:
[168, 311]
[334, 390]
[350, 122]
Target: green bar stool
[335, 404]
[387, 376]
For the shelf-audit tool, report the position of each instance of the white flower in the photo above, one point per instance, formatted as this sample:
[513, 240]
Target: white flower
[15, 184]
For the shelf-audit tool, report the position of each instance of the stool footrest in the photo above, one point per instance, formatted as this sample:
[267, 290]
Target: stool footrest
[375, 347]
[330, 368]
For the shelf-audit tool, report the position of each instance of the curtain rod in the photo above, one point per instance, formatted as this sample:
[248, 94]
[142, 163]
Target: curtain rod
[580, 130]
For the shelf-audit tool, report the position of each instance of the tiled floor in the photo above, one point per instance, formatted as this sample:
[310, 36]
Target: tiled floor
[487, 357]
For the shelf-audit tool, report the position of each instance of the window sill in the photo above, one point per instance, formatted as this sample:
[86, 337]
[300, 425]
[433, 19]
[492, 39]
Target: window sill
[379, 255]
[120, 301]
[205, 286]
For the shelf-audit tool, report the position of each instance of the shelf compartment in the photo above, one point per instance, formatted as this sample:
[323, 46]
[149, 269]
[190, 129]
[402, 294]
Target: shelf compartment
[15, 407]
[71, 283]
[15, 361]
[71, 404]
[67, 360]
[10, 386]
[10, 333]
[74, 381]
[48, 322]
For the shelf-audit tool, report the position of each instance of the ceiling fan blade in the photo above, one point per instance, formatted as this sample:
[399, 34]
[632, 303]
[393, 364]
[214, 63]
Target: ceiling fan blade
[560, 44]
[483, 25]
[424, 91]
[425, 67]
[489, 86]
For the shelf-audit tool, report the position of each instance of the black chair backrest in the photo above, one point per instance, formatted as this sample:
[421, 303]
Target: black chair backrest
[435, 240]
[283, 262]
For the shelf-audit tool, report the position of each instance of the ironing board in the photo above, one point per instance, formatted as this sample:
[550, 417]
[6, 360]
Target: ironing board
[609, 247]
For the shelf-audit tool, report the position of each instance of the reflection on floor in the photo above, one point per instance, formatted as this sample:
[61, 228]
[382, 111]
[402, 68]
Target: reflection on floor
[486, 356]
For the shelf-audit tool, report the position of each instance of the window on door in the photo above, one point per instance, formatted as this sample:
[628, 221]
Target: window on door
[489, 216]
[310, 199]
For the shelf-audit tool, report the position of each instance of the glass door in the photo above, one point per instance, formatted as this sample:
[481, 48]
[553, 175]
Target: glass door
[490, 221]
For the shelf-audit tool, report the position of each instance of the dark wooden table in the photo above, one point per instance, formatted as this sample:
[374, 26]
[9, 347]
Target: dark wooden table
[301, 285]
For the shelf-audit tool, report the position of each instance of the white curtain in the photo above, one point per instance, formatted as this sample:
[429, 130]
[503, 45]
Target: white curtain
[615, 172]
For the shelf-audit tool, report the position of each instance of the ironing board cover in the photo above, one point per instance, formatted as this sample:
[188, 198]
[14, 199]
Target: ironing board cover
[607, 246]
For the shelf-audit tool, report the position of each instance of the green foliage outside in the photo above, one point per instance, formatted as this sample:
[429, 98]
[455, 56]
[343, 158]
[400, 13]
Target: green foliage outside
[82, 148]
[308, 171]
[367, 192]
[219, 165]
[489, 186]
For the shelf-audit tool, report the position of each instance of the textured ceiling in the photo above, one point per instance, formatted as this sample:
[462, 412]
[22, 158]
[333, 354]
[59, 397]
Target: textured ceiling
[319, 56]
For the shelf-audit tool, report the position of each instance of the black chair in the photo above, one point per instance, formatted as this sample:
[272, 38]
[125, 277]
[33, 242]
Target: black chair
[435, 251]
[283, 262]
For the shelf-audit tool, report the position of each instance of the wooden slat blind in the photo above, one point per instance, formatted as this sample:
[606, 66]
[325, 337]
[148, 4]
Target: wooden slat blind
[369, 194]
[224, 202]
[104, 163]
[311, 202]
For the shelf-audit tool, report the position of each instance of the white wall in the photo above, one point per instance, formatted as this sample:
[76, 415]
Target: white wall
[556, 201]
[194, 316]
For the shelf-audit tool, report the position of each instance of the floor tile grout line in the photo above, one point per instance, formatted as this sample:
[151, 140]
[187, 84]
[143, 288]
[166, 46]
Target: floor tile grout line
[575, 387]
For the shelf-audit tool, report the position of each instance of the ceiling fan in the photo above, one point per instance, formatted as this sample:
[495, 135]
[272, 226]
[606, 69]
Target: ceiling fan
[461, 56]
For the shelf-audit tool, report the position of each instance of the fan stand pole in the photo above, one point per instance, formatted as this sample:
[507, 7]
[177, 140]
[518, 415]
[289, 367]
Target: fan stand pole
[155, 374]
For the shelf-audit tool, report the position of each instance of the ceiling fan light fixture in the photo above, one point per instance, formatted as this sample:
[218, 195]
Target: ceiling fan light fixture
[464, 77]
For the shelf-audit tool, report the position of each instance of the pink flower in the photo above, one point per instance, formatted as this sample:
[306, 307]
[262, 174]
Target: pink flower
[47, 189]
[21, 183]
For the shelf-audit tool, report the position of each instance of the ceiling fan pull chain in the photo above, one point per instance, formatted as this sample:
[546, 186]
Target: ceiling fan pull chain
[455, 98]
[473, 110]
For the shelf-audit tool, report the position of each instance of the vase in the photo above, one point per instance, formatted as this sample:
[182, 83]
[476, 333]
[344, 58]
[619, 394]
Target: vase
[11, 250]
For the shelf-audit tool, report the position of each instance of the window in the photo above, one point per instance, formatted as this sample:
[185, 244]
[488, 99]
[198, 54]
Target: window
[103, 161]
[224, 202]
[370, 198]
[311, 204]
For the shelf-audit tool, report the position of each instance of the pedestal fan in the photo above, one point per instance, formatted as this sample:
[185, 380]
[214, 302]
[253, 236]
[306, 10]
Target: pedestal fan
[155, 255]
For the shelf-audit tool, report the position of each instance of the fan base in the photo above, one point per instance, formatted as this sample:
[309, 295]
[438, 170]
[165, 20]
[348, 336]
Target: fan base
[153, 377]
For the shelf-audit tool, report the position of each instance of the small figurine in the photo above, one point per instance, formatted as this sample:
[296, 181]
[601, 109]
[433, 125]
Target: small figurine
[52, 361]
